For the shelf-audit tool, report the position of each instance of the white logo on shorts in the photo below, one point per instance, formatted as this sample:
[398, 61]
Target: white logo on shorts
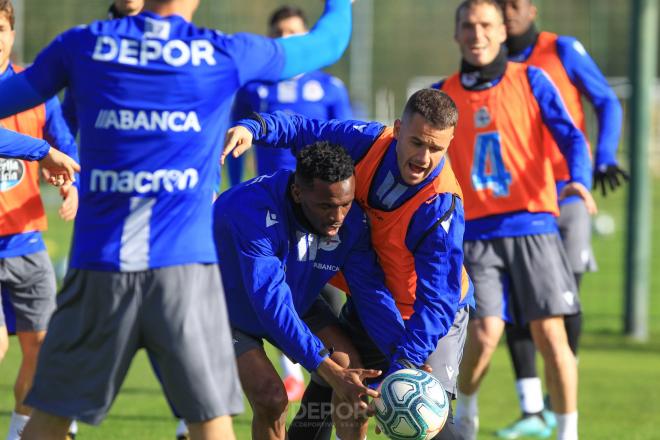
[450, 371]
[569, 297]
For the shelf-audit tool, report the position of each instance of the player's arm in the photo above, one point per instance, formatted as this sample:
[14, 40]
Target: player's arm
[69, 112]
[263, 276]
[373, 301]
[572, 143]
[57, 133]
[435, 238]
[20, 146]
[589, 80]
[288, 130]
[267, 59]
[42, 80]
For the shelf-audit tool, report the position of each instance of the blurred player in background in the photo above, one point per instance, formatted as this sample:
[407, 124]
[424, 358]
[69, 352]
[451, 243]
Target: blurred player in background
[26, 272]
[143, 263]
[124, 8]
[576, 75]
[415, 210]
[316, 95]
[513, 250]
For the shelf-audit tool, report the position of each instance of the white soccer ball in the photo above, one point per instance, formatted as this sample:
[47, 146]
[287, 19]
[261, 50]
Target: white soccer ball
[413, 405]
[604, 224]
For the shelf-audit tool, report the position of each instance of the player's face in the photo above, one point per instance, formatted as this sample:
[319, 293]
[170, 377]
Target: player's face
[324, 204]
[420, 147]
[287, 27]
[518, 16]
[129, 7]
[6, 42]
[480, 32]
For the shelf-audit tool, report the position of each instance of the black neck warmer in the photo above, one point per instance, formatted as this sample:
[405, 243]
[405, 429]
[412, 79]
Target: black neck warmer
[517, 44]
[477, 78]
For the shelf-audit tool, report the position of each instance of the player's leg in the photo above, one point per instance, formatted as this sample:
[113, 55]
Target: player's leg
[265, 392]
[484, 264]
[198, 365]
[528, 386]
[445, 362]
[4, 339]
[544, 275]
[97, 313]
[30, 282]
[313, 419]
[575, 228]
[45, 426]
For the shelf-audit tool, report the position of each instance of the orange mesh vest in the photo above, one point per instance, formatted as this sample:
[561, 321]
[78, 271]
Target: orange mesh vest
[545, 56]
[389, 228]
[498, 153]
[21, 209]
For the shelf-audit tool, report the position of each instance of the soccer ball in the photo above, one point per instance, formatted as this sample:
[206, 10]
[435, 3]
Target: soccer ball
[413, 405]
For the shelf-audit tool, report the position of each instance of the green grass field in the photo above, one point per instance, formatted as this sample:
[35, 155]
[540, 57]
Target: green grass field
[619, 388]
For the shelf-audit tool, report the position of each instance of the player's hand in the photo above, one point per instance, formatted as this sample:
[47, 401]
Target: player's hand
[609, 175]
[69, 206]
[237, 141]
[347, 383]
[58, 168]
[577, 189]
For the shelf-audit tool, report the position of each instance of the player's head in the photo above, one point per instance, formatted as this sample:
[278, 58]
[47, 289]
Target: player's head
[480, 31]
[324, 186]
[6, 33]
[423, 133]
[287, 21]
[518, 16]
[128, 7]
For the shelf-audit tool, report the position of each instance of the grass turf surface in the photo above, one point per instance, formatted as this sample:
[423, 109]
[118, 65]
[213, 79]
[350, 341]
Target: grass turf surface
[619, 393]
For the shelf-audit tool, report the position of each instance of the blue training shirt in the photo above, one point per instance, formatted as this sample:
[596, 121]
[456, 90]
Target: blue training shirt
[438, 252]
[57, 134]
[150, 93]
[273, 268]
[317, 95]
[20, 146]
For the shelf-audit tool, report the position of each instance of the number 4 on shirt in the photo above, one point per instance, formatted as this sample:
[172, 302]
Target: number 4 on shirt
[488, 171]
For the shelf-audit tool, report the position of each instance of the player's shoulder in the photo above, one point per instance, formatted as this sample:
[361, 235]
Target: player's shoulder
[355, 223]
[570, 45]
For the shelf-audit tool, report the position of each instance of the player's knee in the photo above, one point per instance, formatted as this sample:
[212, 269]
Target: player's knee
[4, 342]
[270, 401]
[550, 338]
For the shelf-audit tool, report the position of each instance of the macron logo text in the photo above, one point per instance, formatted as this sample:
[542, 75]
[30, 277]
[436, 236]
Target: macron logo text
[147, 120]
[143, 182]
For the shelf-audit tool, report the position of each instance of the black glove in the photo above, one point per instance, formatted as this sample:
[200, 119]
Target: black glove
[610, 175]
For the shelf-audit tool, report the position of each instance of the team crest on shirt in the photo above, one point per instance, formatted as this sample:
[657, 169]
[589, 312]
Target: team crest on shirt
[482, 118]
[312, 91]
[329, 243]
[287, 91]
[12, 172]
[159, 29]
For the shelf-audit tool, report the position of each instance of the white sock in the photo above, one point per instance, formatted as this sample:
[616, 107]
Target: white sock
[530, 395]
[73, 427]
[290, 369]
[567, 426]
[466, 406]
[16, 426]
[181, 428]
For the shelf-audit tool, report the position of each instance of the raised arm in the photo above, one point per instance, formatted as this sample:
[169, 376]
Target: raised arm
[285, 130]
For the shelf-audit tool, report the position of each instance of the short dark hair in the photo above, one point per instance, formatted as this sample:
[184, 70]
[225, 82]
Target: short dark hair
[7, 8]
[324, 161]
[284, 12]
[435, 106]
[467, 4]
